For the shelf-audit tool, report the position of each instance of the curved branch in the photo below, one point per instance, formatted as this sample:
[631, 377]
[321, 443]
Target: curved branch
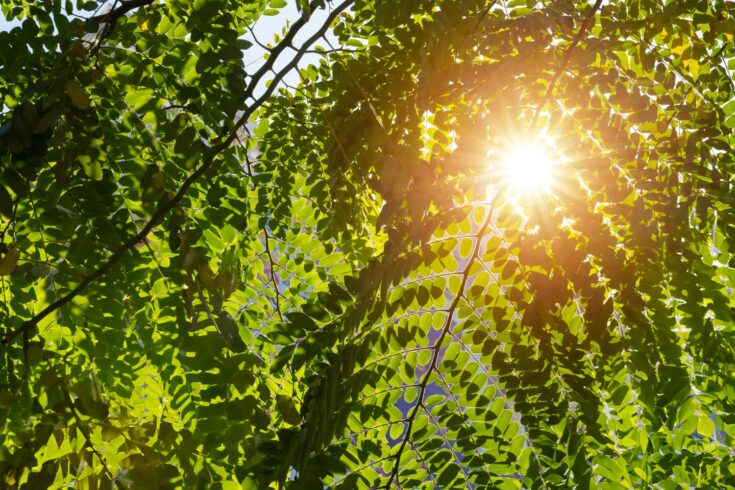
[271, 262]
[83, 428]
[565, 60]
[113, 15]
[207, 161]
[273, 274]
[437, 347]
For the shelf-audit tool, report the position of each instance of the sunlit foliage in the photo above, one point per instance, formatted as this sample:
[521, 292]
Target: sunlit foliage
[216, 274]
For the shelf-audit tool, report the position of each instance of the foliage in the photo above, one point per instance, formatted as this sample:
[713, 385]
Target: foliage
[210, 279]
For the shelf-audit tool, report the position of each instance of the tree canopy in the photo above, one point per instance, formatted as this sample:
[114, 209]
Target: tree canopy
[311, 270]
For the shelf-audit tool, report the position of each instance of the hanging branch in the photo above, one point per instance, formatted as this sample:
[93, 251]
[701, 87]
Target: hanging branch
[83, 428]
[586, 24]
[111, 17]
[271, 262]
[435, 350]
[207, 161]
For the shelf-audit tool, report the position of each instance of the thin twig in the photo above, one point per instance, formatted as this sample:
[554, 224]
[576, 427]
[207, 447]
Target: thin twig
[369, 102]
[111, 17]
[272, 263]
[208, 311]
[484, 13]
[273, 274]
[437, 347]
[565, 60]
[11, 220]
[252, 33]
[82, 426]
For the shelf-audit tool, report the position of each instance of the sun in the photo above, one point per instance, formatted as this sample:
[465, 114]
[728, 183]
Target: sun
[527, 166]
[527, 169]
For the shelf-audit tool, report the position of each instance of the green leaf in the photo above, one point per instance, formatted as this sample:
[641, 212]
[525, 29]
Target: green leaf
[287, 409]
[6, 202]
[588, 343]
[77, 95]
[9, 261]
[92, 168]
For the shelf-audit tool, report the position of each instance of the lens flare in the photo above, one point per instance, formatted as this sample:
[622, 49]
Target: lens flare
[527, 166]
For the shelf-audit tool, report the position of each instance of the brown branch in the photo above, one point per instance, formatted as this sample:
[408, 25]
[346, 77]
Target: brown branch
[484, 13]
[272, 263]
[286, 42]
[109, 21]
[84, 429]
[207, 161]
[273, 274]
[565, 60]
[436, 348]
[114, 15]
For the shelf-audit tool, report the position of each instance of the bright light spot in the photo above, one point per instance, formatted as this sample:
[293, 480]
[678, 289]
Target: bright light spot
[527, 169]
[527, 166]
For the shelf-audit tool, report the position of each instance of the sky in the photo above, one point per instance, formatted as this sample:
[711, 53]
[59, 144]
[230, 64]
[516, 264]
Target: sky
[267, 26]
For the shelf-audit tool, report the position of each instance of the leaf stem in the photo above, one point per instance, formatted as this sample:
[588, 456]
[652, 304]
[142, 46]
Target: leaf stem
[565, 60]
[437, 347]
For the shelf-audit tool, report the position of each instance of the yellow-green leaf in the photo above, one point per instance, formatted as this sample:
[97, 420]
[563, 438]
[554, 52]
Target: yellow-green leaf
[77, 95]
[9, 261]
[287, 409]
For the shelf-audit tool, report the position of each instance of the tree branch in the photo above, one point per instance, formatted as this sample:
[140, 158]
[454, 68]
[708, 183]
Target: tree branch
[113, 15]
[271, 262]
[286, 42]
[437, 347]
[83, 428]
[109, 20]
[273, 274]
[565, 60]
[207, 160]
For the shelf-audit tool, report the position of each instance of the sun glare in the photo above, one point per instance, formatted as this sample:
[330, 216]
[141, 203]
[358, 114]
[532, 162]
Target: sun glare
[527, 166]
